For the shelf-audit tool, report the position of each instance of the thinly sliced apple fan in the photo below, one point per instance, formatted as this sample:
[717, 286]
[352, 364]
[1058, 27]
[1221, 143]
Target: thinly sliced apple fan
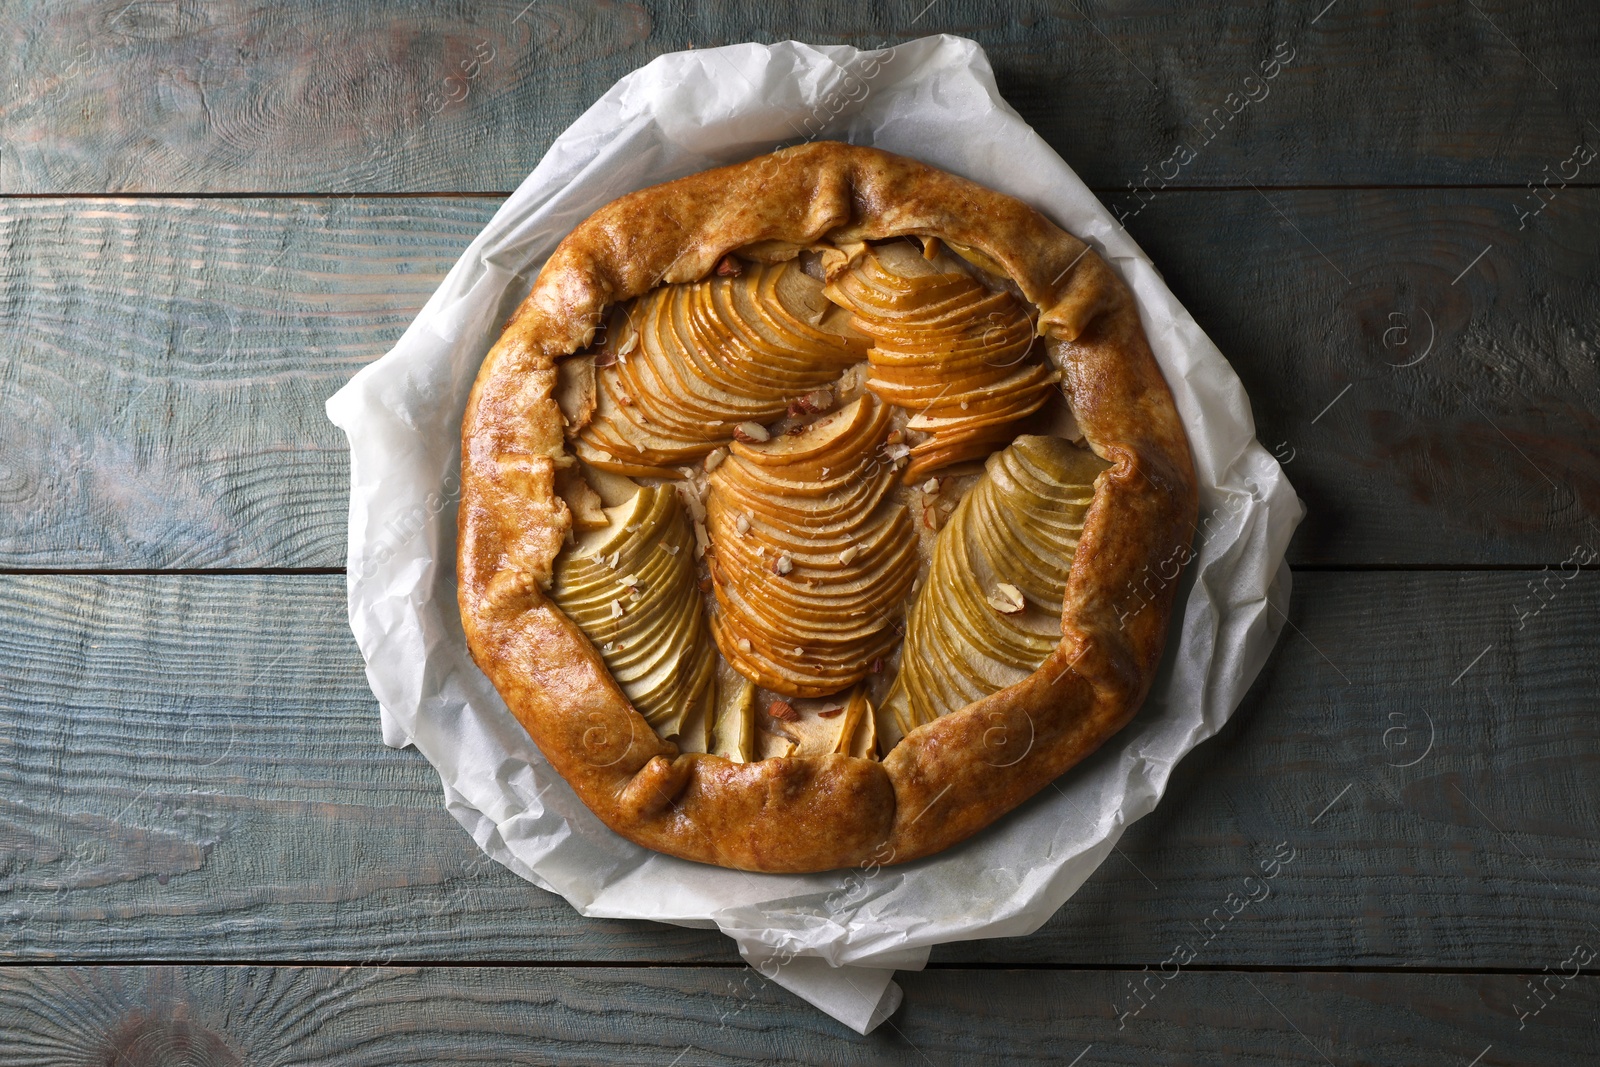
[810, 548]
[811, 555]
[687, 364]
[991, 610]
[631, 588]
[963, 359]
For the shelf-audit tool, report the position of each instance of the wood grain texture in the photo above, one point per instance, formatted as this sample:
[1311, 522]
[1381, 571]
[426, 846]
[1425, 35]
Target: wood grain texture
[1421, 360]
[302, 97]
[216, 1016]
[192, 770]
[163, 365]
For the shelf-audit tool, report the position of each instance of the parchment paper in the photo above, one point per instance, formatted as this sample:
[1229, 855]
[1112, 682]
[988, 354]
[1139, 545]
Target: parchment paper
[836, 938]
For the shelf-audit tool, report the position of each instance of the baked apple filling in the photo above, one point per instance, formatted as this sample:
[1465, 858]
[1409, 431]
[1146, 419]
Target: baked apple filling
[778, 571]
[631, 587]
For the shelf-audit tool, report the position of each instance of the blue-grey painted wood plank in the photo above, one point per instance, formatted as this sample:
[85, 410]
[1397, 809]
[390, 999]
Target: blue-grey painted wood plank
[303, 97]
[163, 368]
[192, 770]
[320, 1017]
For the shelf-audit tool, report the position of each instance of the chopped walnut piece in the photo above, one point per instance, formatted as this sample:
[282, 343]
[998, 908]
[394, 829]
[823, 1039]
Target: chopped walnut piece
[782, 709]
[751, 433]
[1006, 599]
[617, 610]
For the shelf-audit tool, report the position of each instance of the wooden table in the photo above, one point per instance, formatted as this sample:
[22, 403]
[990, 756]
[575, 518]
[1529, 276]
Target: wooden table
[212, 216]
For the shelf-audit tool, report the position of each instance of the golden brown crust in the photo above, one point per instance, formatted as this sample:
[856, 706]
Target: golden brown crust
[947, 779]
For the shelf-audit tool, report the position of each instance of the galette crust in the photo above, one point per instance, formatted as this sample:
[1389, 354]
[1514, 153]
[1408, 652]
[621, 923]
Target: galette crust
[947, 779]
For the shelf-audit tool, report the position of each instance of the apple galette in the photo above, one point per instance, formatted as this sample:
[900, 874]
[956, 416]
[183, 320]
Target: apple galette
[819, 510]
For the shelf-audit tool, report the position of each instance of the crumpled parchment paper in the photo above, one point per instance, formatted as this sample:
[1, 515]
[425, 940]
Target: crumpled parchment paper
[835, 939]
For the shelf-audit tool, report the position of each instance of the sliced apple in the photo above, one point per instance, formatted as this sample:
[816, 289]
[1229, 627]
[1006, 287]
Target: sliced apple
[842, 725]
[733, 735]
[809, 585]
[588, 511]
[990, 611]
[686, 364]
[962, 358]
[630, 586]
